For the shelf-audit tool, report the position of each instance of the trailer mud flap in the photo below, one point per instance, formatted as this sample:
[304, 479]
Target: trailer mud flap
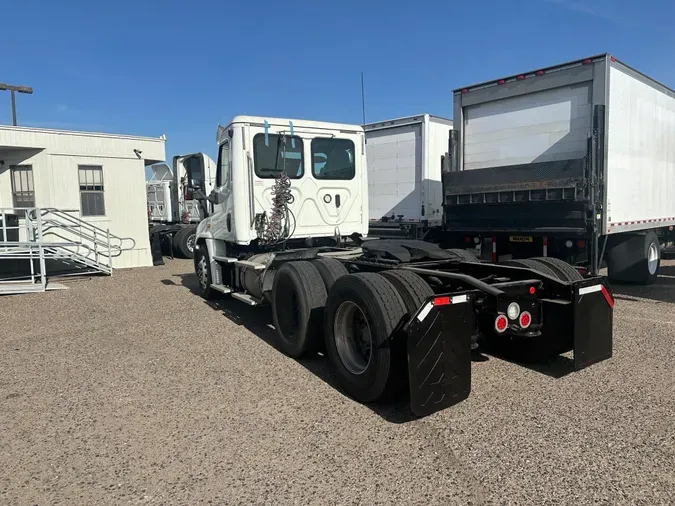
[439, 352]
[593, 308]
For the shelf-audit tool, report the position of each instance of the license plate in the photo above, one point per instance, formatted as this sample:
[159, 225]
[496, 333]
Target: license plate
[520, 238]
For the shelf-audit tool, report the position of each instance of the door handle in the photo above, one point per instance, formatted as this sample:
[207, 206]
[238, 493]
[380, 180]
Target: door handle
[337, 200]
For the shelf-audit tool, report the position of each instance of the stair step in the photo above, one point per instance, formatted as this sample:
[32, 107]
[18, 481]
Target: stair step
[248, 299]
[222, 288]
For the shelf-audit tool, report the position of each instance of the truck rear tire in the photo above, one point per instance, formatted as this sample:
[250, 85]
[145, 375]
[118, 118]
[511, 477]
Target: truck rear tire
[563, 270]
[184, 241]
[298, 299]
[410, 286]
[529, 263]
[635, 259]
[330, 270]
[464, 255]
[362, 312]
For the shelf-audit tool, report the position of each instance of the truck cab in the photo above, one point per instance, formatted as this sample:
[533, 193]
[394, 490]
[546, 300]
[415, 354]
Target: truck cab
[280, 180]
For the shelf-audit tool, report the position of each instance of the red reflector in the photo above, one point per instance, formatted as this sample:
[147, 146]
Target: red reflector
[580, 243]
[520, 78]
[501, 323]
[587, 61]
[525, 319]
[501, 81]
[532, 290]
[540, 72]
[465, 90]
[612, 58]
[607, 296]
[441, 301]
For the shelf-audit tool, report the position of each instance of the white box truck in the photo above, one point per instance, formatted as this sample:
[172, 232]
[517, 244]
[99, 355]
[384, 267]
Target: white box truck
[404, 158]
[575, 161]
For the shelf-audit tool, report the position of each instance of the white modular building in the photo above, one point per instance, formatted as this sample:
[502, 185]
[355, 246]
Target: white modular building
[89, 185]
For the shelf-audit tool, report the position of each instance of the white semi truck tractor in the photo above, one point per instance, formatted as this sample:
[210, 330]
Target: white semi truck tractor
[174, 210]
[288, 227]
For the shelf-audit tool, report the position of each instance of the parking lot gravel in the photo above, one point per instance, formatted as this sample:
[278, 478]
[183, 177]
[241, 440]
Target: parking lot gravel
[134, 390]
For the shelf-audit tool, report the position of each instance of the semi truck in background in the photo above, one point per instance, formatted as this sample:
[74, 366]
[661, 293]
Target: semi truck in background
[574, 161]
[404, 159]
[174, 208]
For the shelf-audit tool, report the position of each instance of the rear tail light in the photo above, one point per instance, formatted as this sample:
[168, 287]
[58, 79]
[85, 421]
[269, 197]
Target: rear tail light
[581, 243]
[525, 319]
[501, 323]
[532, 290]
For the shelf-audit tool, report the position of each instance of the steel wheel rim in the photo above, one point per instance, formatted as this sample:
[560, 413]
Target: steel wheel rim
[652, 258]
[203, 273]
[353, 338]
[191, 242]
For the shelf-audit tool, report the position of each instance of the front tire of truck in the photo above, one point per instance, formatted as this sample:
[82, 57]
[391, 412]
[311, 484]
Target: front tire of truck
[635, 259]
[203, 272]
[298, 299]
[362, 312]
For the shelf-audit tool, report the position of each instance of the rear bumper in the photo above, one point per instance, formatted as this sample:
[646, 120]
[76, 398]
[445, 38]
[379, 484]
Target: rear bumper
[439, 335]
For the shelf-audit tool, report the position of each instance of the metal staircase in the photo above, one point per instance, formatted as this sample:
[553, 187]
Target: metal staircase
[34, 241]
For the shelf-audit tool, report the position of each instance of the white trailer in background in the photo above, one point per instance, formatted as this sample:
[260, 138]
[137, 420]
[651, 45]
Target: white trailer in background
[173, 208]
[405, 158]
[575, 161]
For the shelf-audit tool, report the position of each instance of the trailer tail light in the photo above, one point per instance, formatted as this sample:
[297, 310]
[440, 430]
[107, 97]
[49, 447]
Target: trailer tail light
[501, 323]
[465, 90]
[540, 72]
[501, 81]
[532, 290]
[587, 61]
[525, 319]
[520, 77]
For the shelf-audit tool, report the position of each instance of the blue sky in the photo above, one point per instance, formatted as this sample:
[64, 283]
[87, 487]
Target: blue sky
[178, 68]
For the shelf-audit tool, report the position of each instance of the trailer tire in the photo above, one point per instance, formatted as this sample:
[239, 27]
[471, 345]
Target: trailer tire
[330, 270]
[464, 255]
[368, 365]
[410, 286]
[636, 259]
[184, 241]
[562, 269]
[298, 299]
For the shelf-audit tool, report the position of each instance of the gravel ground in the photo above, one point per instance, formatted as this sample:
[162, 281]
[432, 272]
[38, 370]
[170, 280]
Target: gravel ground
[133, 390]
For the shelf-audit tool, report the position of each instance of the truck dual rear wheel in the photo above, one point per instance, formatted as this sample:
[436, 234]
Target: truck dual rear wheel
[298, 299]
[362, 312]
[330, 270]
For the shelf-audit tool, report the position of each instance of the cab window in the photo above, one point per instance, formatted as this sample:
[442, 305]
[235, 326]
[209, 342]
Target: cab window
[223, 172]
[281, 153]
[333, 159]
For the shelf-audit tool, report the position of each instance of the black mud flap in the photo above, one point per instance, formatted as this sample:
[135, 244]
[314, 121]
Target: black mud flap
[593, 309]
[439, 352]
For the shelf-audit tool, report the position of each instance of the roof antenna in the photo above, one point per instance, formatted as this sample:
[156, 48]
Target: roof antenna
[363, 100]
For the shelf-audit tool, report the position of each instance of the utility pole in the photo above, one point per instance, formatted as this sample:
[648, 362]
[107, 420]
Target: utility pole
[12, 88]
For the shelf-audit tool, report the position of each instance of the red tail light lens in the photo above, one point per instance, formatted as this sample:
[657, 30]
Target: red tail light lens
[532, 290]
[441, 301]
[501, 323]
[525, 319]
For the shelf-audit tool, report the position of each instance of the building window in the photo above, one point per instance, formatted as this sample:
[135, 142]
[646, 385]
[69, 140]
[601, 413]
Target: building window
[23, 190]
[279, 154]
[333, 159]
[91, 190]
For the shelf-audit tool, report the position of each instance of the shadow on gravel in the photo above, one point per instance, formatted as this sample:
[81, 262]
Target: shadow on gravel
[663, 290]
[258, 320]
[555, 367]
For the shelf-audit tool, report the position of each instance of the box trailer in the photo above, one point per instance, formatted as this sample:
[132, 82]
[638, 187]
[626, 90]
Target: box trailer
[575, 161]
[404, 158]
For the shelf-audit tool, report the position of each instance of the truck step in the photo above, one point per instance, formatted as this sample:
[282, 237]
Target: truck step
[248, 299]
[224, 259]
[222, 288]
